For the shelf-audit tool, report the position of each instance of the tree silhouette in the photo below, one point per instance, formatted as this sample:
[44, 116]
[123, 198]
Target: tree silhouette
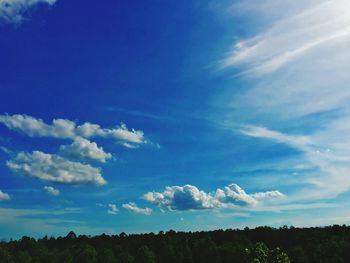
[145, 255]
[259, 245]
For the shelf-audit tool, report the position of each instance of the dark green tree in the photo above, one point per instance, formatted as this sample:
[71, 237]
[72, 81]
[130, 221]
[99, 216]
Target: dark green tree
[5, 256]
[106, 255]
[145, 255]
[124, 257]
[23, 257]
[278, 256]
[85, 254]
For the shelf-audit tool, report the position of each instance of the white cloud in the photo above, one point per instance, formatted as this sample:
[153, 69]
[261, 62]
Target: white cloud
[267, 195]
[120, 133]
[4, 196]
[310, 42]
[181, 198]
[52, 191]
[66, 129]
[293, 67]
[83, 149]
[60, 128]
[137, 210]
[11, 11]
[112, 209]
[53, 168]
[330, 161]
[233, 194]
[292, 37]
[262, 132]
[189, 197]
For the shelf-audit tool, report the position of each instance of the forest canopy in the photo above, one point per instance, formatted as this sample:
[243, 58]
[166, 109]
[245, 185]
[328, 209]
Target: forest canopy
[259, 245]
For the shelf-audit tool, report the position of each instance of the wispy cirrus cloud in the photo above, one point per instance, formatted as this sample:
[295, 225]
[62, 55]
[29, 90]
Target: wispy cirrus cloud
[295, 67]
[329, 162]
[296, 62]
[262, 132]
[292, 37]
[12, 11]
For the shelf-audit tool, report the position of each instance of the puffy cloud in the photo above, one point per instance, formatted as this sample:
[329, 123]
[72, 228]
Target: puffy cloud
[4, 196]
[83, 149]
[189, 197]
[181, 198]
[233, 194]
[112, 209]
[52, 191]
[60, 128]
[63, 128]
[128, 138]
[11, 11]
[137, 210]
[53, 168]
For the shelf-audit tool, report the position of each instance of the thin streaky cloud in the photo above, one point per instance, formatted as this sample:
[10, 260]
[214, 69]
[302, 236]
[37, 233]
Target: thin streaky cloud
[290, 39]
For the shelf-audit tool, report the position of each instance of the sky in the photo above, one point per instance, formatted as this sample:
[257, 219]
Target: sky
[142, 116]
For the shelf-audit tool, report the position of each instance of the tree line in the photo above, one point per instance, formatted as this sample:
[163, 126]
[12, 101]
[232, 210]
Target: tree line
[260, 245]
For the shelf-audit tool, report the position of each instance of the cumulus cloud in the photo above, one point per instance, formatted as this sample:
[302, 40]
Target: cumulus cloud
[60, 128]
[12, 11]
[52, 191]
[67, 129]
[185, 197]
[83, 149]
[189, 197]
[4, 196]
[53, 168]
[121, 133]
[132, 207]
[112, 209]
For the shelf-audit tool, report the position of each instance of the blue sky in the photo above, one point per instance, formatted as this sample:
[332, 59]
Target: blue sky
[186, 115]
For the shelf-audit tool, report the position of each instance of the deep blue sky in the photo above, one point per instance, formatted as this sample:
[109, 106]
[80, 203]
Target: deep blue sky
[236, 92]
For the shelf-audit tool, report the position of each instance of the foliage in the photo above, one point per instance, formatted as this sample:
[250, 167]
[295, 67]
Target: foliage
[259, 245]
